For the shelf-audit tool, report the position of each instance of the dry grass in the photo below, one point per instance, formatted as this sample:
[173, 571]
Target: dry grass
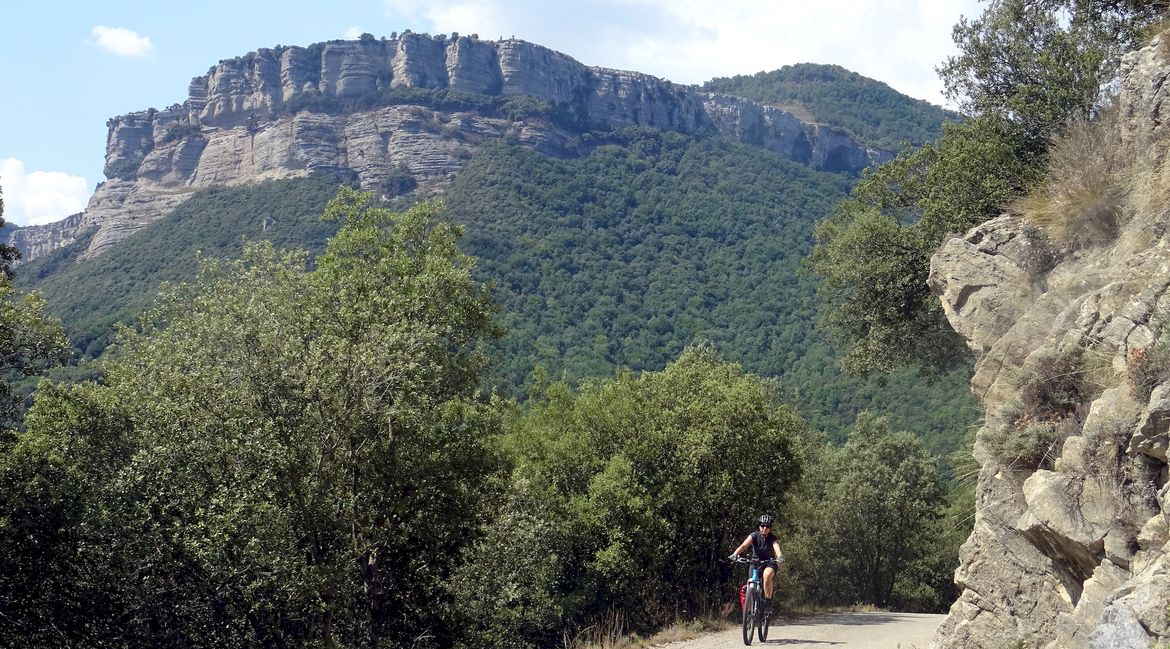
[1149, 32]
[799, 111]
[610, 633]
[1148, 368]
[1150, 183]
[689, 630]
[1083, 200]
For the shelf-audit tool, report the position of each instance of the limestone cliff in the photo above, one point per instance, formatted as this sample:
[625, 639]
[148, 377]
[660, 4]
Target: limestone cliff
[1070, 544]
[41, 240]
[348, 106]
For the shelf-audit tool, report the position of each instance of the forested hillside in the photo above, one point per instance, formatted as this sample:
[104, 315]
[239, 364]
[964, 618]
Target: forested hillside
[119, 285]
[272, 451]
[869, 110]
[298, 433]
[616, 259]
[654, 241]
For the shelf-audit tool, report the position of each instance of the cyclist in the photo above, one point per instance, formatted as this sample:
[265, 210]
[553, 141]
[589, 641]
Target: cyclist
[766, 548]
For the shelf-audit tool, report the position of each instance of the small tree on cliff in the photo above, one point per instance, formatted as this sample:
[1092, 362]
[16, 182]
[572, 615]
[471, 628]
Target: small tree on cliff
[1024, 69]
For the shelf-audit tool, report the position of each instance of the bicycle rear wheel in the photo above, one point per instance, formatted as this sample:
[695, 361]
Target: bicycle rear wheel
[749, 614]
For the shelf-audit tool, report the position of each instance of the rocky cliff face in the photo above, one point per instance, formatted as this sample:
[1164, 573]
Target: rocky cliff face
[288, 111]
[1070, 545]
[41, 240]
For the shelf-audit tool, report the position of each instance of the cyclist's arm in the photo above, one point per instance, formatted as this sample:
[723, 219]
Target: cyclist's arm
[776, 551]
[743, 546]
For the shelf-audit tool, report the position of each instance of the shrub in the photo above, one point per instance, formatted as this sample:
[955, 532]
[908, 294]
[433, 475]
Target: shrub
[1053, 402]
[1028, 445]
[1082, 199]
[181, 131]
[1148, 367]
[1057, 388]
[399, 181]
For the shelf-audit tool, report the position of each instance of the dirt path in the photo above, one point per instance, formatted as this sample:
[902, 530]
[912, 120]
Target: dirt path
[834, 631]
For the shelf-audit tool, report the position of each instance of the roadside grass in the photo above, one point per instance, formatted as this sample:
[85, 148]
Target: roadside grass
[609, 633]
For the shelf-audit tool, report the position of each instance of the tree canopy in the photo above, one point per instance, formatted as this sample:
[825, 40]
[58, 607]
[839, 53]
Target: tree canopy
[30, 340]
[270, 458]
[635, 487]
[1023, 71]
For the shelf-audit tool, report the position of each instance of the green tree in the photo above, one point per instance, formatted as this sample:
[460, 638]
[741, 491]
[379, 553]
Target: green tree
[1041, 63]
[633, 489]
[1024, 69]
[873, 255]
[8, 254]
[33, 506]
[871, 521]
[30, 341]
[298, 440]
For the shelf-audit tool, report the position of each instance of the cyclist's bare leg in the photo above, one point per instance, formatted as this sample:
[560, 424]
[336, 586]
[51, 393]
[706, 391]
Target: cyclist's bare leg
[769, 573]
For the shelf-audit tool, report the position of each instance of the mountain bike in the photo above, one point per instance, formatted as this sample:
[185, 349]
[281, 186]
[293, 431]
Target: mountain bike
[754, 618]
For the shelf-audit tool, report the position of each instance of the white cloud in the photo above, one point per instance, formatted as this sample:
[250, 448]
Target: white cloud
[41, 196]
[121, 41]
[352, 33]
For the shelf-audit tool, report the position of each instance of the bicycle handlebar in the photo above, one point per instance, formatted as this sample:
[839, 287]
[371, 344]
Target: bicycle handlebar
[742, 559]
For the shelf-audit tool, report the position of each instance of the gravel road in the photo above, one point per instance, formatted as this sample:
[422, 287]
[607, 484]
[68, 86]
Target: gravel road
[834, 631]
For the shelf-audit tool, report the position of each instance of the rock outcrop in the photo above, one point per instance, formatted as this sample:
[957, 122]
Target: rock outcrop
[40, 240]
[1070, 545]
[362, 108]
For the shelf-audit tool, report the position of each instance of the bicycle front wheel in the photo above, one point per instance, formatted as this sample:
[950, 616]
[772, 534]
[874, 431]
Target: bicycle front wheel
[765, 622]
[749, 614]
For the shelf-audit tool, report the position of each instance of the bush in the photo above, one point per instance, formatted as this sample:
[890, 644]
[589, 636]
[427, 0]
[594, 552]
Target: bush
[1053, 402]
[1082, 200]
[1057, 388]
[181, 131]
[1028, 445]
[1148, 368]
[400, 181]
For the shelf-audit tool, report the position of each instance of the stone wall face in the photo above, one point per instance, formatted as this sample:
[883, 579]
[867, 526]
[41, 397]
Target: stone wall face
[252, 118]
[1074, 554]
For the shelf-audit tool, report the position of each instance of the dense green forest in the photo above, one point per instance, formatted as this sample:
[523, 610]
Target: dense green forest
[619, 258]
[298, 434]
[120, 284]
[869, 110]
[655, 241]
[269, 455]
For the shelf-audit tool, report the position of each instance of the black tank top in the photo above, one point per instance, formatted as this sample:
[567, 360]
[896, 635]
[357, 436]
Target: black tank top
[762, 545]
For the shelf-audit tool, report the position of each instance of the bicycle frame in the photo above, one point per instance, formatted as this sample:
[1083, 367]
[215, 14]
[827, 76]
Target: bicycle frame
[754, 620]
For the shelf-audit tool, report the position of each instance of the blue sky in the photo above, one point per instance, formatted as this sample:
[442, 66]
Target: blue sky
[70, 66]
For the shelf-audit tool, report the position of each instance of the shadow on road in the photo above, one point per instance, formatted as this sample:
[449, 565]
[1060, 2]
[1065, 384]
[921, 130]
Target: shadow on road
[848, 619]
[784, 641]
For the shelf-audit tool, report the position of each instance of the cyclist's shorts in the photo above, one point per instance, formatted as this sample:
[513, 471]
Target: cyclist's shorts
[764, 565]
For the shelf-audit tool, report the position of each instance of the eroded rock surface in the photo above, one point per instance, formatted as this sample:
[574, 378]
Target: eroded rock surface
[1069, 550]
[287, 111]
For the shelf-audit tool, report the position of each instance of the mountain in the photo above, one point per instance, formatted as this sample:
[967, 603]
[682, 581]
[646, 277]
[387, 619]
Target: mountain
[616, 228]
[1071, 546]
[402, 113]
[869, 111]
